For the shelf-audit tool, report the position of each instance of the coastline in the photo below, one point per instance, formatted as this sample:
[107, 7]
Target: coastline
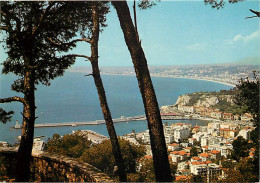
[167, 76]
[229, 84]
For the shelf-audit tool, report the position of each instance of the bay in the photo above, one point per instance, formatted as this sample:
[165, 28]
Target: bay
[73, 97]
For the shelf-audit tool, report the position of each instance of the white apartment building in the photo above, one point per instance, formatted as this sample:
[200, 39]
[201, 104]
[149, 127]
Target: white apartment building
[173, 147]
[181, 132]
[208, 171]
[204, 129]
[168, 138]
[204, 141]
[182, 166]
[198, 136]
[146, 137]
[245, 133]
[223, 149]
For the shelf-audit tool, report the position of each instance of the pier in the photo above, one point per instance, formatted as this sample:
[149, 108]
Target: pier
[98, 122]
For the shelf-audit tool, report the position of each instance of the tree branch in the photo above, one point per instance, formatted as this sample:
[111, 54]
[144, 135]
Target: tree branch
[89, 75]
[12, 16]
[42, 18]
[69, 43]
[13, 99]
[251, 17]
[4, 28]
[83, 56]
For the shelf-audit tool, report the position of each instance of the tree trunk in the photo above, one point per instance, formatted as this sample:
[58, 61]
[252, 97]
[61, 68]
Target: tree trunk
[102, 95]
[160, 157]
[25, 148]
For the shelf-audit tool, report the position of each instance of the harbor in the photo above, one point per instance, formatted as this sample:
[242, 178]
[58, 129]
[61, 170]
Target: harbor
[98, 122]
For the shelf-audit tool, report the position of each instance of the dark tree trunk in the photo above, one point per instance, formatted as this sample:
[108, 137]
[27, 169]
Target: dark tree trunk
[160, 157]
[25, 148]
[102, 95]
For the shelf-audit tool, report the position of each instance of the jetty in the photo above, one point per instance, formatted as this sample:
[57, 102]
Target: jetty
[98, 122]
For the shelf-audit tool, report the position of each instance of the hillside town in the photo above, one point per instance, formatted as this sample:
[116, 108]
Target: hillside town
[198, 150]
[195, 150]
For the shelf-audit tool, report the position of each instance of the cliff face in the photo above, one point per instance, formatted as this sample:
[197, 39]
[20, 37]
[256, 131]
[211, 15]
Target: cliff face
[183, 100]
[207, 101]
[203, 99]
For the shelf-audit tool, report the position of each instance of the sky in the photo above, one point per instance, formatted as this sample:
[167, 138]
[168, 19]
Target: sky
[183, 33]
[180, 33]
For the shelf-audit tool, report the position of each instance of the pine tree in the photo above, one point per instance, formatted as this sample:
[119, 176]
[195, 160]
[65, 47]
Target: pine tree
[37, 36]
[160, 157]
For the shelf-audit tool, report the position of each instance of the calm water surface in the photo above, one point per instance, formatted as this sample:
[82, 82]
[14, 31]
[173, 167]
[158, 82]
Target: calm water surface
[73, 97]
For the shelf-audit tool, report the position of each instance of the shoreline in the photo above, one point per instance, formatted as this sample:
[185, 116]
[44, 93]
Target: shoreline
[167, 76]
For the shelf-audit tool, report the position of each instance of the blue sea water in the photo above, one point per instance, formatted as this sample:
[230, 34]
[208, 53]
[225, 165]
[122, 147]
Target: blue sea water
[73, 97]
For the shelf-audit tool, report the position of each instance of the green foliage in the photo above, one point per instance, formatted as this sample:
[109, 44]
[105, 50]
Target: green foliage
[195, 97]
[225, 106]
[101, 156]
[42, 32]
[72, 145]
[227, 163]
[218, 4]
[240, 148]
[144, 4]
[193, 151]
[246, 170]
[5, 116]
[7, 167]
[247, 94]
[146, 173]
[197, 178]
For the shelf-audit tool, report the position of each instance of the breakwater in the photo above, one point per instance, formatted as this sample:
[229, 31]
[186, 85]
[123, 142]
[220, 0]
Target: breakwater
[98, 122]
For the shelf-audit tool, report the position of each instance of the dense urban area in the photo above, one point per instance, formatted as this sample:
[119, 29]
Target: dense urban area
[225, 73]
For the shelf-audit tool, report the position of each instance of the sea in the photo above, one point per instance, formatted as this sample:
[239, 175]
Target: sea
[73, 98]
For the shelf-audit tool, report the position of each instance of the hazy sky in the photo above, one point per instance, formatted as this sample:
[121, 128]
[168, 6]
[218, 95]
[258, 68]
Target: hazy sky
[179, 33]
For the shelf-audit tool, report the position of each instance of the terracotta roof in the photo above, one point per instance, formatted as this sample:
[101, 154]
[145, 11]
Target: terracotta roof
[225, 129]
[175, 152]
[171, 114]
[182, 177]
[196, 158]
[182, 153]
[179, 124]
[205, 155]
[187, 148]
[251, 154]
[148, 157]
[205, 147]
[201, 163]
[214, 152]
[174, 144]
[253, 149]
[197, 163]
